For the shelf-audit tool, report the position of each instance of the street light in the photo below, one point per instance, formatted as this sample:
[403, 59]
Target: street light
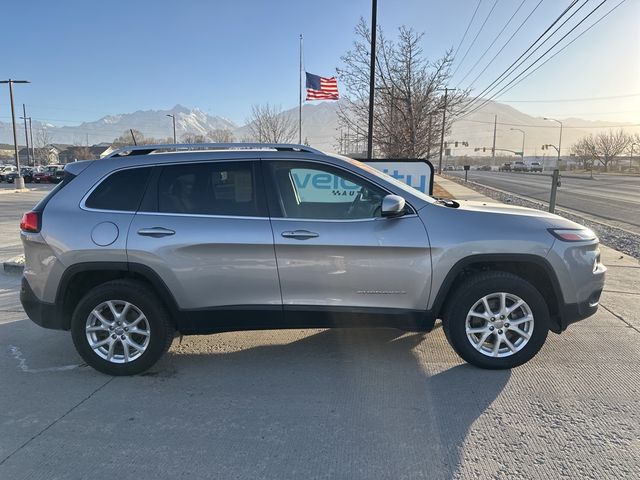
[19, 180]
[523, 135]
[559, 141]
[174, 127]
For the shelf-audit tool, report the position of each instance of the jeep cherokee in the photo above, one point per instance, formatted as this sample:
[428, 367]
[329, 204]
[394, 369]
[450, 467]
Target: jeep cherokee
[152, 241]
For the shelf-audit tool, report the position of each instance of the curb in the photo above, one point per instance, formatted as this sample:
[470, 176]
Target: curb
[16, 190]
[14, 266]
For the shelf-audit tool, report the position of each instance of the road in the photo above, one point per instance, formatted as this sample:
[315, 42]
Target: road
[343, 404]
[607, 197]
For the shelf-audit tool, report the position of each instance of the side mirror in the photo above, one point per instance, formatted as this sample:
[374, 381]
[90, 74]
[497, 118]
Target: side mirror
[393, 206]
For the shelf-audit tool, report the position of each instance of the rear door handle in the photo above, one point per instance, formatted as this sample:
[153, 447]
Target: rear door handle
[155, 232]
[300, 234]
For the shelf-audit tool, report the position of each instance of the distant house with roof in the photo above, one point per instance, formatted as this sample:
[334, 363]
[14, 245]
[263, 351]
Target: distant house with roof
[75, 153]
[6, 153]
[48, 155]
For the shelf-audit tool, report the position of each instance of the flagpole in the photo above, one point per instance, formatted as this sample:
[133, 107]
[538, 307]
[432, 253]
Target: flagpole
[300, 97]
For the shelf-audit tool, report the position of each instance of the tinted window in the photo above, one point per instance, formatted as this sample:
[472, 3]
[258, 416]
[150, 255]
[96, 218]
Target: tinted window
[308, 190]
[212, 188]
[121, 190]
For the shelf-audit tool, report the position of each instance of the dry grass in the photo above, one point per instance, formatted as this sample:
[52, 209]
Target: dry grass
[440, 192]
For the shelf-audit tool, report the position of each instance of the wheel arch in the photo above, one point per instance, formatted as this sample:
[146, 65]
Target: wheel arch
[79, 279]
[532, 268]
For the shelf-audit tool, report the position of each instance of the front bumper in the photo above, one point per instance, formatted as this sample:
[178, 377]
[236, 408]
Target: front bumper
[574, 312]
[45, 314]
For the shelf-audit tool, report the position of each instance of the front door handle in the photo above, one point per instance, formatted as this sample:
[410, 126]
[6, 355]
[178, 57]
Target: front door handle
[155, 232]
[300, 234]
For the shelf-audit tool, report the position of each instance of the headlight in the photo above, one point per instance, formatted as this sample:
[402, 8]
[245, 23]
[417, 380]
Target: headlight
[573, 235]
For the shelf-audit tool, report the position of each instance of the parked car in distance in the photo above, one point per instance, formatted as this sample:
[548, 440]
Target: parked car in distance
[520, 166]
[536, 167]
[6, 170]
[129, 249]
[44, 176]
[57, 176]
[484, 168]
[26, 172]
[505, 167]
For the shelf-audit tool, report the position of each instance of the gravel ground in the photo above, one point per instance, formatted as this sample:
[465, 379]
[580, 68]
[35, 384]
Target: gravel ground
[614, 237]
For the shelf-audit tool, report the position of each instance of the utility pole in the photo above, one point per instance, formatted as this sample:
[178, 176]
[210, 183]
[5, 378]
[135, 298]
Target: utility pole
[174, 128]
[429, 137]
[633, 144]
[19, 179]
[26, 133]
[444, 119]
[33, 151]
[372, 76]
[493, 149]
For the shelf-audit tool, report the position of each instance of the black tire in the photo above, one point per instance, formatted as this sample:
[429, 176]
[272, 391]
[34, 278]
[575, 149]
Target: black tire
[474, 289]
[160, 327]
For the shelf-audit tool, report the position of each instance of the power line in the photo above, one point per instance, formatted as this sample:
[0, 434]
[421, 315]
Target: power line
[492, 43]
[564, 47]
[508, 70]
[549, 126]
[587, 99]
[521, 62]
[540, 57]
[467, 30]
[475, 38]
[505, 44]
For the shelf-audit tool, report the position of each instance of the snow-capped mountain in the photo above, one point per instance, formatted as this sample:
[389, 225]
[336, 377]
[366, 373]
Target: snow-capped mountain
[152, 123]
[320, 128]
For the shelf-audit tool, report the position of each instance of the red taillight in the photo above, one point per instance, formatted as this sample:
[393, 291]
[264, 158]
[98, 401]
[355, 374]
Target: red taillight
[30, 222]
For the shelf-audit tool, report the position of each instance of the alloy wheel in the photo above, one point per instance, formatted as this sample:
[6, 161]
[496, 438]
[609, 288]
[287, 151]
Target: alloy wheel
[118, 331]
[499, 324]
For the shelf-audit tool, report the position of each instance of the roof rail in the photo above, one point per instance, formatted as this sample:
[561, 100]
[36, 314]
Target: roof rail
[185, 147]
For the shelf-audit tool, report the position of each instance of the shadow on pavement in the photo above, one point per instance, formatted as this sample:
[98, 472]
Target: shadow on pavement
[335, 403]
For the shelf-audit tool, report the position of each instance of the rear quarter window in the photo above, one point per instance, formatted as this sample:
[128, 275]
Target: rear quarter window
[120, 191]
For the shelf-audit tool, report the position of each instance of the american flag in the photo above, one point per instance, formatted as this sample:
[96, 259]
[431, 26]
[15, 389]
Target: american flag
[321, 88]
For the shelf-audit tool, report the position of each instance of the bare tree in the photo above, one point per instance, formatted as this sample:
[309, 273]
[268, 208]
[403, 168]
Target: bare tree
[269, 124]
[43, 140]
[604, 147]
[126, 139]
[409, 89]
[583, 153]
[79, 152]
[221, 135]
[193, 138]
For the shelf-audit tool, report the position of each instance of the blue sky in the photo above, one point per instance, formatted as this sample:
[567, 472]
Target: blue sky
[90, 59]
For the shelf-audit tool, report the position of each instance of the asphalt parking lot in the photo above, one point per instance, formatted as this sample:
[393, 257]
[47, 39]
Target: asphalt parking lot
[358, 403]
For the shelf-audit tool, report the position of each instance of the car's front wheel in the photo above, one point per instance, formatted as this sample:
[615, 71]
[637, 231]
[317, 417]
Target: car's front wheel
[121, 328]
[496, 320]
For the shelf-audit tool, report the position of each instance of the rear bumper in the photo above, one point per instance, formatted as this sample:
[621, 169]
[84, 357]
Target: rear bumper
[45, 314]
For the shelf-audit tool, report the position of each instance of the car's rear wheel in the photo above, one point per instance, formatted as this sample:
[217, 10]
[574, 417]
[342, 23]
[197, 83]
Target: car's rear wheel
[121, 328]
[496, 320]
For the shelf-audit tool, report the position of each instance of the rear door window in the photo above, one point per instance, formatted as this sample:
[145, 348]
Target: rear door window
[211, 188]
[120, 191]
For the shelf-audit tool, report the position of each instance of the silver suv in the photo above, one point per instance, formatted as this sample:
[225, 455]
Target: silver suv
[128, 250]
